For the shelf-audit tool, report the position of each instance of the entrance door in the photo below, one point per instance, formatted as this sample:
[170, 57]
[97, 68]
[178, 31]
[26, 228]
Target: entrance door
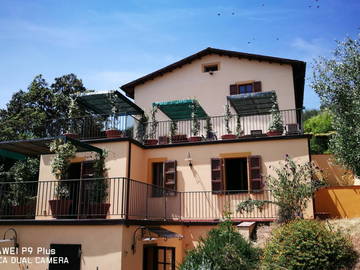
[159, 258]
[71, 252]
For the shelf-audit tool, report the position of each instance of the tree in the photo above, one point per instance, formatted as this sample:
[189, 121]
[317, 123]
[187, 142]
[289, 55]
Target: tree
[337, 81]
[28, 113]
[310, 113]
[321, 127]
[292, 187]
[223, 248]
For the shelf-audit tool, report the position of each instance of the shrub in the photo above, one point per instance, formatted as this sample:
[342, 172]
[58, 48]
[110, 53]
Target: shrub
[223, 249]
[308, 244]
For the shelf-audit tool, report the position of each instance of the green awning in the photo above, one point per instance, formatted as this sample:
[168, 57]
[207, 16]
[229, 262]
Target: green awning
[181, 109]
[103, 103]
[36, 147]
[252, 103]
[11, 155]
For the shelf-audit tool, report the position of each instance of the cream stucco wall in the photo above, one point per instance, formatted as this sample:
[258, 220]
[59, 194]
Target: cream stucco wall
[211, 90]
[101, 245]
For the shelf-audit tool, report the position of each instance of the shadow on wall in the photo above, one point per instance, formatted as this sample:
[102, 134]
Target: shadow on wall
[338, 202]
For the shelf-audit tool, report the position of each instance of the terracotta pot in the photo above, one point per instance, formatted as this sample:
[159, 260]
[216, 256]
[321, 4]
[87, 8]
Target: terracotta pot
[25, 210]
[98, 210]
[195, 139]
[164, 140]
[151, 142]
[113, 133]
[179, 138]
[274, 133]
[60, 208]
[228, 137]
[72, 135]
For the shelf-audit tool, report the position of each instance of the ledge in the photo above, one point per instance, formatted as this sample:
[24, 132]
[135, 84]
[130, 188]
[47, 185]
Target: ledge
[123, 222]
[239, 140]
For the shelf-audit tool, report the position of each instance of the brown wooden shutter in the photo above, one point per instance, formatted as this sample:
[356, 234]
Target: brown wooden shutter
[234, 89]
[255, 178]
[257, 86]
[217, 175]
[170, 175]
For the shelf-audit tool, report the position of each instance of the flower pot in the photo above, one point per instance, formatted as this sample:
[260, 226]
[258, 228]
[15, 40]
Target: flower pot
[98, 210]
[151, 142]
[24, 210]
[228, 137]
[113, 133]
[60, 208]
[164, 140]
[71, 135]
[179, 138]
[274, 133]
[195, 139]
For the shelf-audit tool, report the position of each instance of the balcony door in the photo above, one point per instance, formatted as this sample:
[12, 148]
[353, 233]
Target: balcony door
[158, 258]
[79, 171]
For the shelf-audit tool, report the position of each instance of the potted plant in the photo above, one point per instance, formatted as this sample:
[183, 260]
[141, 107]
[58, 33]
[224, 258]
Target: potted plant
[276, 125]
[97, 189]
[227, 117]
[64, 152]
[141, 129]
[195, 124]
[239, 130]
[209, 130]
[175, 138]
[153, 128]
[111, 128]
[71, 129]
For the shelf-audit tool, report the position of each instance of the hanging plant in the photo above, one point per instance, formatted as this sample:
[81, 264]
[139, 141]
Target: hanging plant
[64, 152]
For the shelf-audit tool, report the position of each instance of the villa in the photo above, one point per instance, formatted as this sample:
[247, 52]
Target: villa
[184, 144]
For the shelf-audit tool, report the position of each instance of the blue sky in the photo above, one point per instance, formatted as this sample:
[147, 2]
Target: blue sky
[109, 43]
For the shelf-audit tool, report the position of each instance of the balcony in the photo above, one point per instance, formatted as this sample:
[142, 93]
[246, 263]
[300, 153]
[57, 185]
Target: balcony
[180, 131]
[122, 198]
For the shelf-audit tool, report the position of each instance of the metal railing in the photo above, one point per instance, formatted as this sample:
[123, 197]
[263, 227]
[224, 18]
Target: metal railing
[122, 198]
[98, 126]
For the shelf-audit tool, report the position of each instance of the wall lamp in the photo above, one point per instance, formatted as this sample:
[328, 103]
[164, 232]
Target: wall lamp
[189, 159]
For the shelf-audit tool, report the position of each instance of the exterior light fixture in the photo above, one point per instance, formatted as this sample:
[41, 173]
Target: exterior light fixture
[189, 159]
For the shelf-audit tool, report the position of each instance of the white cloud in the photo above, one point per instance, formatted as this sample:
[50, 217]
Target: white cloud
[310, 48]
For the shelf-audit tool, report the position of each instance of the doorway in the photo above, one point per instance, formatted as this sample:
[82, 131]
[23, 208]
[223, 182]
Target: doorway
[158, 258]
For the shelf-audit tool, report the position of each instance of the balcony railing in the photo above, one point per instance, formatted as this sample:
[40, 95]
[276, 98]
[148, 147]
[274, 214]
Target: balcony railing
[211, 128]
[122, 198]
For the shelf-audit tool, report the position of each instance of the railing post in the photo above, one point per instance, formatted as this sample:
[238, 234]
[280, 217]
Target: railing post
[127, 198]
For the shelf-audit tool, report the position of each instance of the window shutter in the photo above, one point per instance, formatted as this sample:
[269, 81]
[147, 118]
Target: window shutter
[170, 175]
[257, 86]
[217, 175]
[254, 163]
[234, 89]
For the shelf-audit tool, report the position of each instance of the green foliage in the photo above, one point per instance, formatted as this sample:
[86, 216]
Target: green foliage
[239, 130]
[22, 177]
[276, 123]
[98, 187]
[321, 123]
[173, 128]
[228, 117]
[27, 114]
[222, 249]
[292, 187]
[154, 122]
[64, 152]
[208, 127]
[195, 119]
[308, 244]
[141, 129]
[337, 82]
[310, 113]
[319, 144]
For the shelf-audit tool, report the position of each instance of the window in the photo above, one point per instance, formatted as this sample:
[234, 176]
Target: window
[210, 67]
[159, 258]
[236, 174]
[244, 88]
[164, 176]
